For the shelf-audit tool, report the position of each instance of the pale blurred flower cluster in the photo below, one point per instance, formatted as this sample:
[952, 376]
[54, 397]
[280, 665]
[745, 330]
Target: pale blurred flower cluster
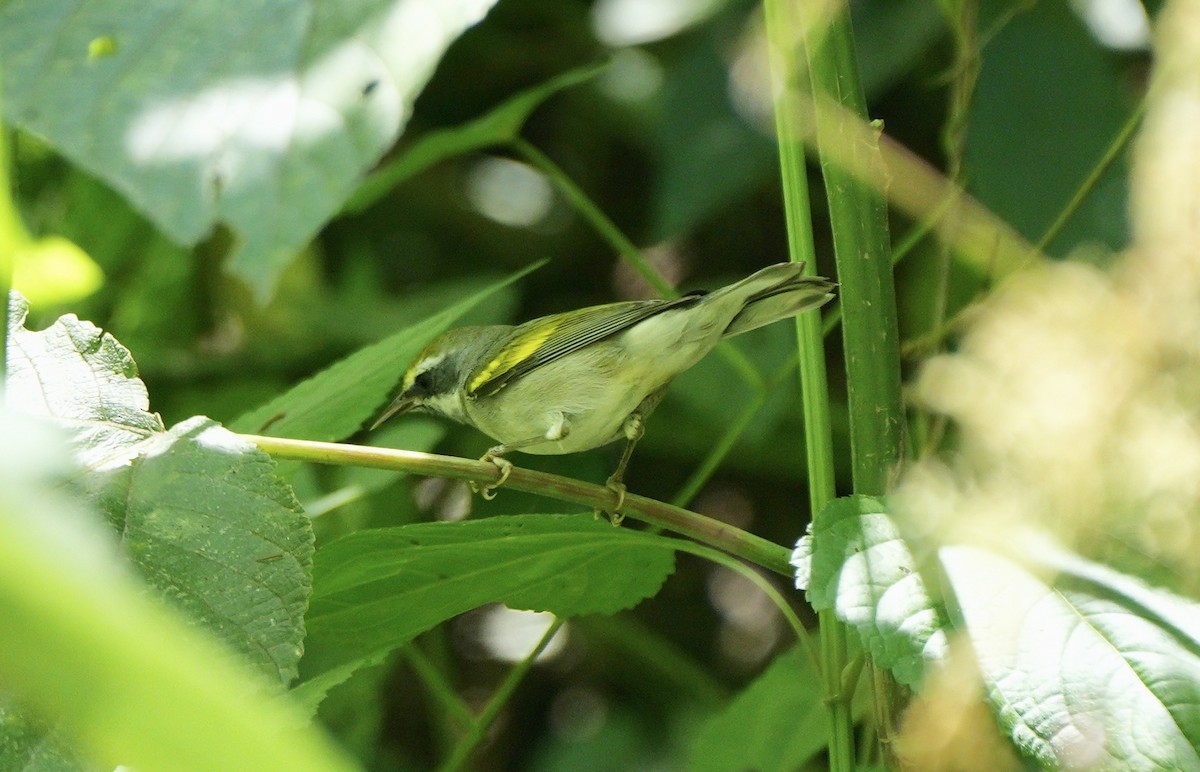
[1077, 391]
[1077, 403]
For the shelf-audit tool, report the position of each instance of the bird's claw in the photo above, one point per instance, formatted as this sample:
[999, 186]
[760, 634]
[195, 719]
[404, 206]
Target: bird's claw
[489, 491]
[615, 517]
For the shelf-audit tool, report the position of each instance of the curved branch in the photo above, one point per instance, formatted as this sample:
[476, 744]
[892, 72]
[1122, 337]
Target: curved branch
[714, 533]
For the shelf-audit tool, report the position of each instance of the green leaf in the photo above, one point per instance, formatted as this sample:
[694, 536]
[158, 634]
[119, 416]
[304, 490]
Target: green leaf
[31, 745]
[802, 560]
[707, 154]
[310, 694]
[1072, 105]
[500, 126]
[208, 523]
[1088, 668]
[126, 678]
[335, 402]
[261, 116]
[80, 375]
[202, 513]
[856, 563]
[776, 723]
[891, 39]
[376, 589]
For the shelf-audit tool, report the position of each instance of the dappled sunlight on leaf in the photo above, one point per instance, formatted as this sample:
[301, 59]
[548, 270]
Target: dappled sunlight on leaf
[80, 376]
[200, 512]
[208, 523]
[855, 562]
[85, 643]
[1088, 668]
[263, 118]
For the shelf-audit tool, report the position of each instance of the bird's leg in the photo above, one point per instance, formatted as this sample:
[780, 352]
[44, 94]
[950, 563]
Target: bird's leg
[559, 428]
[634, 428]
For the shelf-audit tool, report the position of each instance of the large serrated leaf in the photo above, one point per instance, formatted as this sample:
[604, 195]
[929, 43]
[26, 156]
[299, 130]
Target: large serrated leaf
[202, 513]
[81, 376]
[856, 562]
[335, 402]
[208, 523]
[262, 116]
[1088, 668]
[126, 678]
[377, 589]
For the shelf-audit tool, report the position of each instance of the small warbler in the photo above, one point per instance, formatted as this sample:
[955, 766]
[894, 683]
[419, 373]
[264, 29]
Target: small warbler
[573, 381]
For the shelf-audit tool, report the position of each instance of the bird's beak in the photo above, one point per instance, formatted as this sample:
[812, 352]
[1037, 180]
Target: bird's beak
[401, 404]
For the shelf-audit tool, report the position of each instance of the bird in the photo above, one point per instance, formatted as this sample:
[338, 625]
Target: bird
[581, 379]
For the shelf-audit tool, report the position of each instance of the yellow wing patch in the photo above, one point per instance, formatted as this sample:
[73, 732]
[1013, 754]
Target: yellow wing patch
[514, 352]
[541, 341]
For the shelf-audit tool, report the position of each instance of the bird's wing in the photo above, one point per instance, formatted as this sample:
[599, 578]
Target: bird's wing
[544, 340]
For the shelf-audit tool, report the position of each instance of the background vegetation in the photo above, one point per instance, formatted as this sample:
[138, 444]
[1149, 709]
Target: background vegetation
[244, 199]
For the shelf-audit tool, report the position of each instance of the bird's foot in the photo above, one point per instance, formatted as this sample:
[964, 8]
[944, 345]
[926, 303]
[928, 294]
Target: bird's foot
[489, 491]
[615, 516]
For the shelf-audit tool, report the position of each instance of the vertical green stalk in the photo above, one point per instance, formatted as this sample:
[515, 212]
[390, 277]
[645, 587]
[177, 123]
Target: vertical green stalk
[962, 19]
[1114, 151]
[594, 215]
[784, 35]
[491, 711]
[854, 185]
[855, 182]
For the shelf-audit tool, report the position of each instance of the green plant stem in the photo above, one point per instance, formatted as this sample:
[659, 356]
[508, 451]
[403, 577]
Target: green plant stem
[833, 316]
[657, 664]
[929, 341]
[720, 449]
[334, 500]
[503, 694]
[1115, 148]
[714, 533]
[784, 33]
[768, 589]
[725, 445]
[859, 221]
[594, 215]
[963, 17]
[855, 186]
[438, 687]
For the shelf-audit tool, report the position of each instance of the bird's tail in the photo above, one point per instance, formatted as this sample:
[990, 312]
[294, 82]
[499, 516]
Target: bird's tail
[777, 292]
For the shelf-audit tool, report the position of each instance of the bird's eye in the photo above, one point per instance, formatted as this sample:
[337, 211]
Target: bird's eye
[422, 383]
